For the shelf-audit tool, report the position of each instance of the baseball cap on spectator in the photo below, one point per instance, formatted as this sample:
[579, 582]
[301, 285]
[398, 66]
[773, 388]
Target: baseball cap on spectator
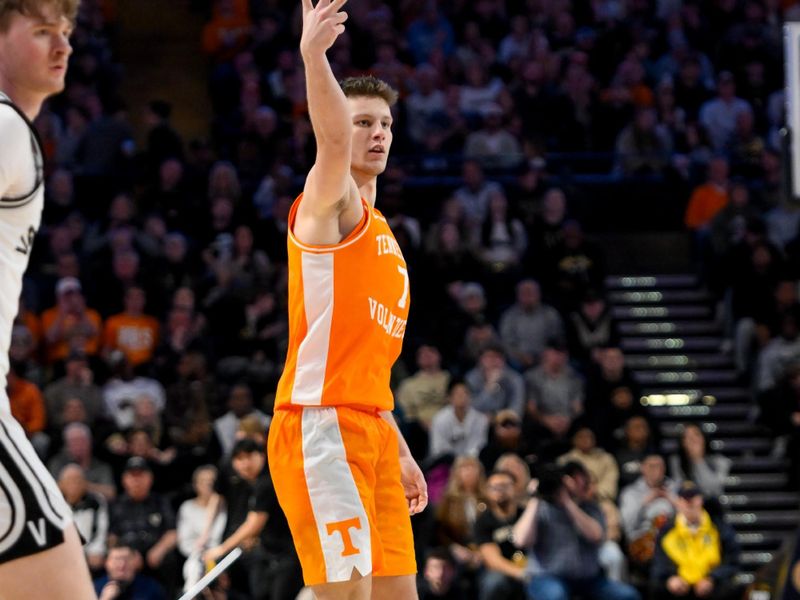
[67, 284]
[689, 490]
[136, 463]
[507, 418]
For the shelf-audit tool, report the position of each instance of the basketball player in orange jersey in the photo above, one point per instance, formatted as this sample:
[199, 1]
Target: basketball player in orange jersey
[40, 550]
[342, 472]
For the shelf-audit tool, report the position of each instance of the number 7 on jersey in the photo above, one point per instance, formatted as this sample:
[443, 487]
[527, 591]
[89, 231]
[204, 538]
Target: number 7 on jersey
[404, 298]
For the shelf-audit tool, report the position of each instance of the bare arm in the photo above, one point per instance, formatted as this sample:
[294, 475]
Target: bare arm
[329, 188]
[525, 527]
[588, 527]
[414, 484]
[494, 560]
[251, 527]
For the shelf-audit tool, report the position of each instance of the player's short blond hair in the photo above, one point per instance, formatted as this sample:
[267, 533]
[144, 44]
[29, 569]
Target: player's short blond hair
[32, 8]
[368, 86]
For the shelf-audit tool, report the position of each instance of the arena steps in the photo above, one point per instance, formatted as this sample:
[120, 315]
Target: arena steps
[675, 348]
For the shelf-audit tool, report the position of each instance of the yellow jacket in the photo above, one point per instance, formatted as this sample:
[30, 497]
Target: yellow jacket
[695, 551]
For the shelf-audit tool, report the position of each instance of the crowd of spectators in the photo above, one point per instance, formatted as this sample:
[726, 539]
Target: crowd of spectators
[153, 323]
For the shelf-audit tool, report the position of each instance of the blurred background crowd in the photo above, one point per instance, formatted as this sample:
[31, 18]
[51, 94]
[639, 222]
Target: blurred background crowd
[153, 324]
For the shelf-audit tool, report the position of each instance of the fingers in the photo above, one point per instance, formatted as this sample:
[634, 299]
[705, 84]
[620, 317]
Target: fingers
[307, 6]
[333, 7]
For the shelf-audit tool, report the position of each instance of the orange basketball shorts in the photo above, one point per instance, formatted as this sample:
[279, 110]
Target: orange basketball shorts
[336, 472]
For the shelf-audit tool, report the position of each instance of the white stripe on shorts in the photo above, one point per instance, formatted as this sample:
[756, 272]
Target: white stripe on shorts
[49, 497]
[12, 511]
[334, 495]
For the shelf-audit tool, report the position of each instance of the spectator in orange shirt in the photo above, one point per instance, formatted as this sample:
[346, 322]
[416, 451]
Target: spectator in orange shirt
[70, 322]
[710, 197]
[27, 407]
[132, 331]
[228, 31]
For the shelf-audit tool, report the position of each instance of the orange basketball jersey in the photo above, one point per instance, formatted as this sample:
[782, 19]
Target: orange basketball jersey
[348, 306]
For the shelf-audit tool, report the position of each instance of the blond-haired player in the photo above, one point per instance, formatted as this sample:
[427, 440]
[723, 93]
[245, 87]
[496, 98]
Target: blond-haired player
[343, 473]
[40, 550]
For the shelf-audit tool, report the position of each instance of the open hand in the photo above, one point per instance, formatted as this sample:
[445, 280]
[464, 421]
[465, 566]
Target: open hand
[322, 24]
[414, 485]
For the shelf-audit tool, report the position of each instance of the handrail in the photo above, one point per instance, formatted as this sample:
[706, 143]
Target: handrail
[209, 577]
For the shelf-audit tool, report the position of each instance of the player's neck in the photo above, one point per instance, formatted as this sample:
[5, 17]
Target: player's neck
[27, 102]
[367, 188]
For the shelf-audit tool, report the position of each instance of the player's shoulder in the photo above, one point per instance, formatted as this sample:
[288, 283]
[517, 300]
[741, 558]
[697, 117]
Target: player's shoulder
[11, 121]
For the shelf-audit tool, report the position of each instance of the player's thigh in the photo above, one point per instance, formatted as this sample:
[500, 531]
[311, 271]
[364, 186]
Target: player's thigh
[397, 587]
[392, 519]
[359, 588]
[59, 573]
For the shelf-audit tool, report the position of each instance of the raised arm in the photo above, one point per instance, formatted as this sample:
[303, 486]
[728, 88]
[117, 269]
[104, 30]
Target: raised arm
[329, 188]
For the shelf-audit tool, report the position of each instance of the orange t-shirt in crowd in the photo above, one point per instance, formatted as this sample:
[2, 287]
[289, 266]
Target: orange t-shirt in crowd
[348, 306]
[27, 406]
[60, 350]
[706, 201]
[136, 336]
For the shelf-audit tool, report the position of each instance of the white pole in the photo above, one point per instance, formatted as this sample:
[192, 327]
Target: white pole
[791, 48]
[209, 577]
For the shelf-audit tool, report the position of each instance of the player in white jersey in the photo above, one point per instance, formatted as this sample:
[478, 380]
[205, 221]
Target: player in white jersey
[40, 549]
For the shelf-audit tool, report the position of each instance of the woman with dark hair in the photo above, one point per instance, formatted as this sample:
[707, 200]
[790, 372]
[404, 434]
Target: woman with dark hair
[693, 462]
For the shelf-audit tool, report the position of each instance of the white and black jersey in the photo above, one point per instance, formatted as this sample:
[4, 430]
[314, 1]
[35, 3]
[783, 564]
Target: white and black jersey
[33, 513]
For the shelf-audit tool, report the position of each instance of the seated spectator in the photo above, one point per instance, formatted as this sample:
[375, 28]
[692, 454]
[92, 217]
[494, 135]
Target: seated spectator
[458, 511]
[519, 468]
[193, 540]
[555, 390]
[504, 565]
[780, 411]
[590, 328]
[78, 449]
[190, 402]
[132, 332]
[121, 578]
[240, 405]
[423, 395]
[502, 245]
[611, 396]
[635, 445]
[145, 522]
[476, 192]
[696, 556]
[458, 429]
[124, 387]
[719, 114]
[425, 104]
[644, 146]
[269, 568]
[527, 326]
[27, 407]
[140, 442]
[779, 354]
[727, 228]
[562, 531]
[438, 577]
[90, 512]
[77, 383]
[495, 385]
[493, 145]
[694, 463]
[600, 465]
[506, 436]
[228, 31]
[578, 266]
[547, 231]
[70, 322]
[646, 505]
[710, 197]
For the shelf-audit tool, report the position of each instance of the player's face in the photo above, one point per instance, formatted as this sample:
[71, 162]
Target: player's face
[34, 52]
[372, 134]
